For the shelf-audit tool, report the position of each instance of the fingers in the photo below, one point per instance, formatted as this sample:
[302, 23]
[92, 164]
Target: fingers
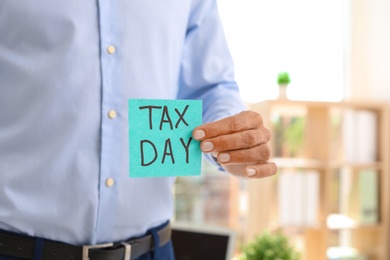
[257, 154]
[241, 140]
[243, 121]
[262, 170]
[251, 162]
[239, 143]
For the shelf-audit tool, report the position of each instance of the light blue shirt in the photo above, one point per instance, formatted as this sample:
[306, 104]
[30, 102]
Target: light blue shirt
[67, 69]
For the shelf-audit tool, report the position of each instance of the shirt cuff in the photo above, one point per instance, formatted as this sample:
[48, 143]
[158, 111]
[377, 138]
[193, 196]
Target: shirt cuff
[214, 161]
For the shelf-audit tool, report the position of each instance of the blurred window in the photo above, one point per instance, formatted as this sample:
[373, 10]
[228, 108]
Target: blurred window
[303, 37]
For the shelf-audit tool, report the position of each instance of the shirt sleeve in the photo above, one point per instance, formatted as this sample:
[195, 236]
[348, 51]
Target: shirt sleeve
[207, 69]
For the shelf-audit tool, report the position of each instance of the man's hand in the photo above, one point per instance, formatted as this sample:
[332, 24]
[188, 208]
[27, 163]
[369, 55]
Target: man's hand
[239, 143]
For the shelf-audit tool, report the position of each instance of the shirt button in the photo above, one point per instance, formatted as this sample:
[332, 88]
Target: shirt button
[109, 182]
[111, 49]
[112, 114]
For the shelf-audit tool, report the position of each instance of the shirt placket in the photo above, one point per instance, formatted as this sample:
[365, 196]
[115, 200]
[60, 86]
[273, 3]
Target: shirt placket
[111, 114]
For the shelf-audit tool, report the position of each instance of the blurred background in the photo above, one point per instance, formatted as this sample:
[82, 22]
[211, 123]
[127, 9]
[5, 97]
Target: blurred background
[330, 130]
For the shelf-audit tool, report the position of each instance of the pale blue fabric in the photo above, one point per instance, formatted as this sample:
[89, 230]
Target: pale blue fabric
[57, 84]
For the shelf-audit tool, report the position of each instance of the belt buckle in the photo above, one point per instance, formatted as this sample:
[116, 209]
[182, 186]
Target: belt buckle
[86, 249]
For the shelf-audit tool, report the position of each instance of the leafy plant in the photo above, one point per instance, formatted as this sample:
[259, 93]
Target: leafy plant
[283, 78]
[269, 246]
[294, 135]
[288, 135]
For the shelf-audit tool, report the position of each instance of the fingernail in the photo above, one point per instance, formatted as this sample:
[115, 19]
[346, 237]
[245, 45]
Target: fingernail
[224, 157]
[250, 172]
[199, 134]
[207, 146]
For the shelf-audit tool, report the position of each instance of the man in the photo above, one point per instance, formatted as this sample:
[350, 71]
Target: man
[67, 69]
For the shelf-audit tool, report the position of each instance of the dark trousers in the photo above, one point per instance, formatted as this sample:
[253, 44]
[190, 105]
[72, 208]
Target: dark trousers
[164, 252]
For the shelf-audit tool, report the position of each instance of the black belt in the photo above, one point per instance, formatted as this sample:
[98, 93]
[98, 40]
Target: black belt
[23, 247]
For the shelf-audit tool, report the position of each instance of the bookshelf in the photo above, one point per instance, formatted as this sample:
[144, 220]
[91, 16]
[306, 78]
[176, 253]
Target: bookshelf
[346, 144]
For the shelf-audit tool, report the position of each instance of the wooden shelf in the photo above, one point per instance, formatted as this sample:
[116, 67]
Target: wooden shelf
[298, 163]
[321, 150]
[312, 163]
[359, 227]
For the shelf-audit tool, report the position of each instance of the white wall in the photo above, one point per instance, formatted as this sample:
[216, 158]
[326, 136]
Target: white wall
[368, 50]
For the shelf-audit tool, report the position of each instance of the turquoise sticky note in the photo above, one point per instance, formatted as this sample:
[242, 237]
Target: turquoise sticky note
[160, 137]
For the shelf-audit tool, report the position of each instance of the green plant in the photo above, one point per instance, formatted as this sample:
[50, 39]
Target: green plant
[269, 246]
[283, 78]
[294, 135]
